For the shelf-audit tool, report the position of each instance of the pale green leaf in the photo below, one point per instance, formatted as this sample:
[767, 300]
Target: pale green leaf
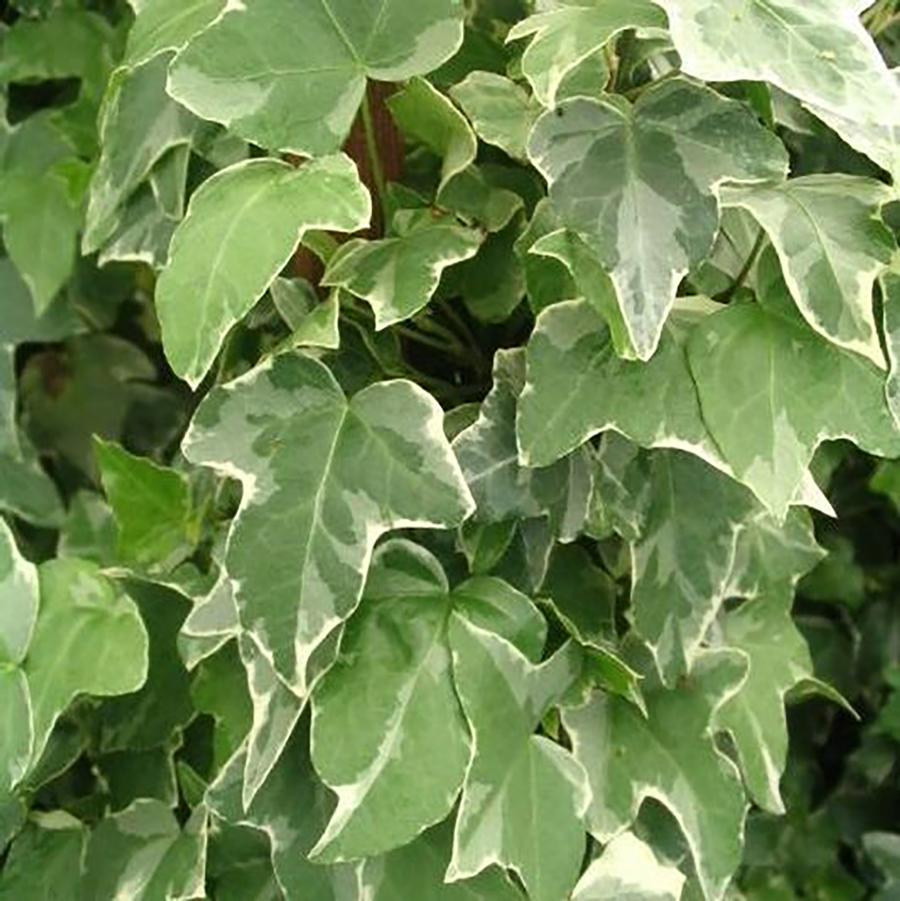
[427, 116]
[628, 870]
[398, 275]
[139, 123]
[313, 323]
[18, 599]
[501, 112]
[890, 303]
[162, 25]
[16, 731]
[88, 639]
[241, 228]
[524, 797]
[151, 504]
[503, 488]
[832, 245]
[392, 688]
[818, 52]
[564, 37]
[779, 660]
[771, 391]
[294, 82]
[670, 756]
[638, 182]
[323, 477]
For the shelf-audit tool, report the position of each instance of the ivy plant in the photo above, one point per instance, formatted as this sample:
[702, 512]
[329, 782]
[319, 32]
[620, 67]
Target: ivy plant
[449, 450]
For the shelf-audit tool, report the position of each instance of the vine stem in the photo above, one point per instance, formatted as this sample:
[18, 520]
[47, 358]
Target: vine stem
[748, 265]
[372, 150]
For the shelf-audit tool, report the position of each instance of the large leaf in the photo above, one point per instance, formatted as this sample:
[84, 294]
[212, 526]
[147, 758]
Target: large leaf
[819, 52]
[639, 183]
[670, 756]
[162, 25]
[566, 36]
[779, 659]
[401, 706]
[323, 477]
[398, 275]
[294, 82]
[832, 245]
[241, 227]
[524, 796]
[18, 599]
[772, 390]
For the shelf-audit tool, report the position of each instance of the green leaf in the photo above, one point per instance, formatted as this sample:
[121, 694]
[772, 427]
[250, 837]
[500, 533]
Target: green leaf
[18, 599]
[566, 36]
[779, 660]
[628, 869]
[524, 797]
[393, 689]
[890, 302]
[218, 267]
[504, 489]
[152, 506]
[501, 112]
[832, 245]
[639, 183]
[820, 53]
[323, 477]
[88, 639]
[166, 25]
[670, 756]
[771, 391]
[398, 275]
[139, 124]
[313, 323]
[293, 82]
[683, 556]
[45, 860]
[143, 854]
[428, 117]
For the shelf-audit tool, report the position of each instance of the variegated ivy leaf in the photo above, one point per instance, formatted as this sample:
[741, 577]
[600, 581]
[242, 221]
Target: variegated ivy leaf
[577, 387]
[402, 707]
[779, 660]
[293, 82]
[615, 169]
[241, 227]
[290, 808]
[670, 756]
[628, 870]
[503, 488]
[18, 612]
[564, 37]
[501, 112]
[684, 553]
[832, 245]
[524, 797]
[417, 871]
[167, 25]
[143, 854]
[139, 124]
[397, 275]
[313, 322]
[818, 52]
[772, 390]
[323, 477]
[428, 117]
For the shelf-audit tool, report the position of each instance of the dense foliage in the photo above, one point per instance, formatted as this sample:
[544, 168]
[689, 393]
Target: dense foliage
[449, 450]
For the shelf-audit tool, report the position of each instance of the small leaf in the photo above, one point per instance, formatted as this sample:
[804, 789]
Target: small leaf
[152, 506]
[313, 323]
[18, 599]
[241, 227]
[398, 275]
[323, 477]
